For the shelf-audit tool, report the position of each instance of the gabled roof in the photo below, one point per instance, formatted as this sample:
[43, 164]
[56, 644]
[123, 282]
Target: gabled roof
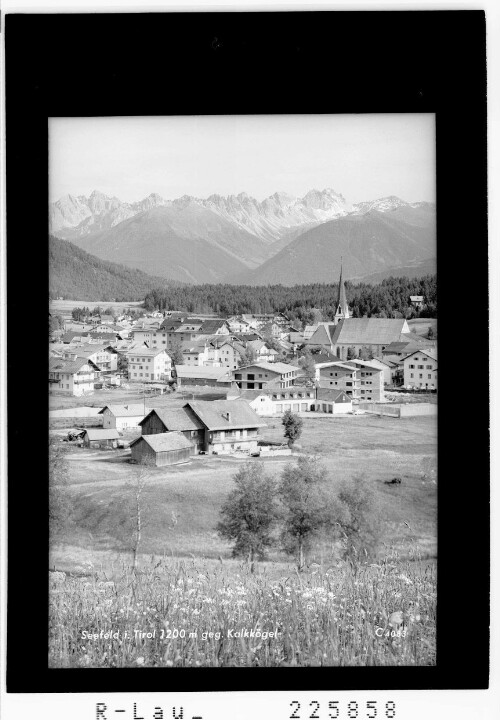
[368, 331]
[336, 363]
[71, 335]
[180, 419]
[124, 410]
[204, 372]
[69, 366]
[322, 335]
[429, 352]
[147, 352]
[279, 368]
[210, 327]
[364, 363]
[214, 414]
[163, 442]
[100, 434]
[332, 394]
[87, 350]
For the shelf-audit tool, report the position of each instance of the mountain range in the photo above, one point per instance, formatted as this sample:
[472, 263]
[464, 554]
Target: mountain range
[282, 239]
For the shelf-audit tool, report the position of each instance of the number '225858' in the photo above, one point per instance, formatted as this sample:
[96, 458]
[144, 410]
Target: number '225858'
[350, 711]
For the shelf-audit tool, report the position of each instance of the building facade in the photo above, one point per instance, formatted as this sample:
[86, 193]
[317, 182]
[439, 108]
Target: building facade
[258, 375]
[420, 370]
[149, 365]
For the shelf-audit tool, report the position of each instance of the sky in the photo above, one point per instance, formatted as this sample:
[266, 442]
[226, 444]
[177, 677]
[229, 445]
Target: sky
[363, 157]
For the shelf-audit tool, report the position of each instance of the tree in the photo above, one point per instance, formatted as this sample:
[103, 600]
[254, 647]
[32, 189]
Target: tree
[293, 426]
[175, 352]
[308, 506]
[60, 506]
[351, 353]
[360, 520]
[250, 513]
[306, 362]
[366, 353]
[247, 357]
[430, 333]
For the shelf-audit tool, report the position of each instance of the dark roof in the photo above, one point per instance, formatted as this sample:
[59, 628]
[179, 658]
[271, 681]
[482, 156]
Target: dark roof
[332, 395]
[367, 331]
[57, 364]
[163, 442]
[213, 414]
[210, 327]
[70, 335]
[181, 419]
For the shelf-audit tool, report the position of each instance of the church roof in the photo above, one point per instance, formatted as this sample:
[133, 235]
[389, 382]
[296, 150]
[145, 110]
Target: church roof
[368, 331]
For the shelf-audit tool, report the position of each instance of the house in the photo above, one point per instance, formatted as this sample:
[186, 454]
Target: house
[104, 356]
[388, 368]
[100, 438]
[332, 401]
[262, 351]
[122, 417]
[257, 375]
[372, 334]
[216, 326]
[78, 336]
[339, 376]
[217, 426]
[182, 420]
[237, 324]
[420, 370]
[417, 301]
[230, 425]
[211, 376]
[169, 448]
[179, 330]
[371, 380]
[148, 365]
[71, 375]
[408, 343]
[225, 353]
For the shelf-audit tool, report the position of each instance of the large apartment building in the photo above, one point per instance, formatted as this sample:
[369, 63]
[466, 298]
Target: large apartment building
[259, 375]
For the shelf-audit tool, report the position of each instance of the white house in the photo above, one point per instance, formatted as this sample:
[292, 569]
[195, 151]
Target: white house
[371, 380]
[257, 375]
[71, 375]
[149, 365]
[420, 369]
[123, 417]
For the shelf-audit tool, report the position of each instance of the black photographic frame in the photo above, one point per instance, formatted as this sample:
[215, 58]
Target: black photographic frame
[247, 63]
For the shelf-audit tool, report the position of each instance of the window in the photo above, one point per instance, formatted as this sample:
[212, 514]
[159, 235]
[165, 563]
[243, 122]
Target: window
[412, 367]
[429, 376]
[420, 375]
[411, 375]
[420, 367]
[428, 367]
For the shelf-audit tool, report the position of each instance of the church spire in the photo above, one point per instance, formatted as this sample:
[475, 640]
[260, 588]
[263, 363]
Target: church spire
[342, 309]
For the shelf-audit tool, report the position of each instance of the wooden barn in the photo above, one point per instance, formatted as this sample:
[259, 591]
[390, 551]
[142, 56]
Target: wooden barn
[169, 448]
[98, 438]
[183, 420]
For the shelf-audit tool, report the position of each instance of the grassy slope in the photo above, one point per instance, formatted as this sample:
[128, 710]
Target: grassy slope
[380, 448]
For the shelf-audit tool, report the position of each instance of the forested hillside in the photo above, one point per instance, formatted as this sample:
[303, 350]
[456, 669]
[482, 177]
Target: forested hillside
[76, 275]
[391, 298]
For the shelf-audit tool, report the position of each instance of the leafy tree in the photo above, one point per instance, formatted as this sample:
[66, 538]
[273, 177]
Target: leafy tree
[309, 508]
[247, 357]
[293, 426]
[175, 352]
[60, 506]
[351, 353]
[366, 353]
[56, 322]
[360, 522]
[250, 513]
[430, 333]
[306, 362]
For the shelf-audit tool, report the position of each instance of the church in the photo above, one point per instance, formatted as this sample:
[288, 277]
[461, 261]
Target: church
[372, 334]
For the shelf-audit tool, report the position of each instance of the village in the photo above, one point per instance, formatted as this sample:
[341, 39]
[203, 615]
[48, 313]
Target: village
[174, 385]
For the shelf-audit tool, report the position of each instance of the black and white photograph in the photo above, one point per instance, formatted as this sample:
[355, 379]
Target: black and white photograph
[239, 490]
[243, 391]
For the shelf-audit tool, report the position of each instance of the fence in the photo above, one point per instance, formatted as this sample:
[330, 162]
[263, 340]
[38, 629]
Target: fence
[399, 411]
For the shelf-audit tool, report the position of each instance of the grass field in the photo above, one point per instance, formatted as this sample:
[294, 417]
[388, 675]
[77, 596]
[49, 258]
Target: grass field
[186, 579]
[378, 447]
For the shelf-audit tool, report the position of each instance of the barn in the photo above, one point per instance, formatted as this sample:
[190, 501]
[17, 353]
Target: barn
[170, 448]
[98, 438]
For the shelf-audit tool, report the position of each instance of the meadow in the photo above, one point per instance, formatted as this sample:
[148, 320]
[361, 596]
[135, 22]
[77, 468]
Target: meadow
[197, 614]
[187, 579]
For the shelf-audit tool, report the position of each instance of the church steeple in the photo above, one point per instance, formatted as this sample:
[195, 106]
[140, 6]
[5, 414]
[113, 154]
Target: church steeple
[342, 309]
